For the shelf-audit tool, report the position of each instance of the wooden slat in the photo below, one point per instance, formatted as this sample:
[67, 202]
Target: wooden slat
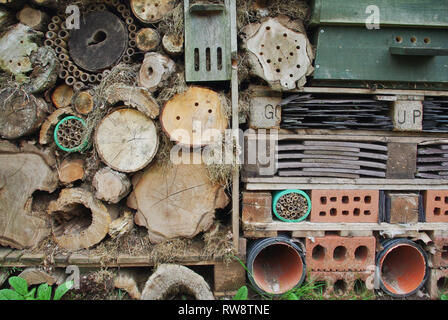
[4, 252]
[309, 226]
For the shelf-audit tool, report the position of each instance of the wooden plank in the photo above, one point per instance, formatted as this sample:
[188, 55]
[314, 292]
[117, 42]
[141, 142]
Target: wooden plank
[371, 164]
[298, 146]
[235, 127]
[310, 156]
[333, 165]
[421, 13]
[309, 226]
[4, 252]
[32, 258]
[298, 173]
[13, 256]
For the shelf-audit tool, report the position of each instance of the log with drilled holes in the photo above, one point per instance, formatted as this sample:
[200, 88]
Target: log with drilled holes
[191, 118]
[151, 11]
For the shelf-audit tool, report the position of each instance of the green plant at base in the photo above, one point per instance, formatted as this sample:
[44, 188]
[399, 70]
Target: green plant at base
[444, 296]
[44, 291]
[242, 294]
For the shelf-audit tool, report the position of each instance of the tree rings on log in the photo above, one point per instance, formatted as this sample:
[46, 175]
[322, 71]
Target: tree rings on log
[20, 113]
[176, 201]
[151, 11]
[279, 52]
[173, 44]
[126, 140]
[100, 42]
[171, 279]
[79, 221]
[155, 69]
[147, 39]
[190, 117]
[71, 170]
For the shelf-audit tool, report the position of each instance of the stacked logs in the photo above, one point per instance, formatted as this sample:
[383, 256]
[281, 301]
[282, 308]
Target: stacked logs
[80, 147]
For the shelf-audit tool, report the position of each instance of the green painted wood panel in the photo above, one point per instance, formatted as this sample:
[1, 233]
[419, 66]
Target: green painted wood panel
[410, 13]
[208, 41]
[358, 54]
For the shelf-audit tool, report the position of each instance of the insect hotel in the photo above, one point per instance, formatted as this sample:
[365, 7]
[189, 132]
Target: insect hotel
[169, 149]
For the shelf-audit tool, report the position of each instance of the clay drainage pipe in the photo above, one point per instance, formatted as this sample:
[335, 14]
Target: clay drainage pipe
[275, 265]
[403, 267]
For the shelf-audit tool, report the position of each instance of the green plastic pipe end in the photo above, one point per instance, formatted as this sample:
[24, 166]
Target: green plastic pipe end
[277, 196]
[82, 147]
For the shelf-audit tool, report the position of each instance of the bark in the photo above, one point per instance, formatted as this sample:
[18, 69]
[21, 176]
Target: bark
[110, 185]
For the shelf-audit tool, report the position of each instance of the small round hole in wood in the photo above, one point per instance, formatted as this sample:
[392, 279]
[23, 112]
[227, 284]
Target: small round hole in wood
[413, 39]
[177, 118]
[398, 39]
[426, 40]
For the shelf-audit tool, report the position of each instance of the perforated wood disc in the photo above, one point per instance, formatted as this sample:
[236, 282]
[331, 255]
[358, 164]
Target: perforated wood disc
[100, 42]
[191, 118]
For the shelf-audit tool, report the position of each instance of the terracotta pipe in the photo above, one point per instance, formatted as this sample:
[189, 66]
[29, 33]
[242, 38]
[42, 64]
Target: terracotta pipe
[276, 265]
[403, 267]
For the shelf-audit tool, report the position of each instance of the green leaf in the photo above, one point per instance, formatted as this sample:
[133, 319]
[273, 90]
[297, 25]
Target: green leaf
[31, 294]
[8, 294]
[44, 292]
[444, 297]
[19, 284]
[292, 296]
[62, 289]
[242, 294]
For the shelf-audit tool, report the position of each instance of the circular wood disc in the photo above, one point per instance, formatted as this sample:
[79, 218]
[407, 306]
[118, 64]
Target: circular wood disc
[150, 11]
[126, 140]
[100, 42]
[187, 117]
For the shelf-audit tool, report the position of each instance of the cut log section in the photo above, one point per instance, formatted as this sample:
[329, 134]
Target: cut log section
[147, 39]
[21, 174]
[45, 70]
[21, 114]
[172, 280]
[62, 96]
[71, 170]
[173, 44]
[110, 185]
[151, 11]
[135, 97]
[193, 117]
[155, 70]
[83, 102]
[46, 134]
[35, 276]
[176, 201]
[33, 18]
[126, 140]
[79, 221]
[279, 52]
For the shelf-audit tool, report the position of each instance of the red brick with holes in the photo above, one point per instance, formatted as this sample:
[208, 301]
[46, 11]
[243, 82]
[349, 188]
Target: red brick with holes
[440, 257]
[437, 283]
[335, 253]
[344, 206]
[342, 284]
[436, 205]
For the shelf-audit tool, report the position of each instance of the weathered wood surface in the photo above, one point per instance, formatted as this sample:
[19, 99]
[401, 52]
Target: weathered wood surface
[155, 70]
[111, 186]
[19, 227]
[126, 140]
[71, 170]
[136, 97]
[62, 96]
[35, 276]
[46, 130]
[33, 18]
[83, 102]
[173, 44]
[279, 52]
[193, 117]
[21, 114]
[147, 39]
[79, 221]
[175, 201]
[171, 277]
[151, 11]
